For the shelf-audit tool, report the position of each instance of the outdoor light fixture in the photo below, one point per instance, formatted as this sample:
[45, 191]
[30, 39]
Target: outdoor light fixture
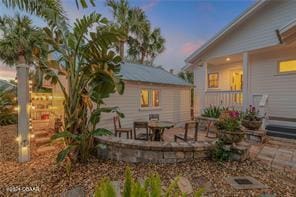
[16, 108]
[18, 139]
[228, 59]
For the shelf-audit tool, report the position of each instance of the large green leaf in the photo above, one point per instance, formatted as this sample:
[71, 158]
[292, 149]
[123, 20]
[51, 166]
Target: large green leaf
[64, 134]
[101, 132]
[64, 153]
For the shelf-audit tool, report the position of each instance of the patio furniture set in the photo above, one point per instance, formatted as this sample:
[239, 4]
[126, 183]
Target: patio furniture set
[154, 129]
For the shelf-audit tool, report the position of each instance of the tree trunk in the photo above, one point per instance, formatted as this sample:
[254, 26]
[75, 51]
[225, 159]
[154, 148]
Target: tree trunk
[121, 50]
[23, 132]
[143, 54]
[21, 59]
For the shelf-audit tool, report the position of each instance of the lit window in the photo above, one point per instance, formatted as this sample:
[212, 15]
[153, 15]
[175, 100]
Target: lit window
[213, 80]
[155, 98]
[144, 98]
[287, 66]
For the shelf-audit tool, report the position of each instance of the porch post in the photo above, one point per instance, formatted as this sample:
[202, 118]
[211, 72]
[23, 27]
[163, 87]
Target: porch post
[23, 135]
[204, 83]
[245, 80]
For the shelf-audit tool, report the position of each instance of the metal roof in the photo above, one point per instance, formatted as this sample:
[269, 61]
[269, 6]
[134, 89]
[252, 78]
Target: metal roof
[6, 85]
[150, 74]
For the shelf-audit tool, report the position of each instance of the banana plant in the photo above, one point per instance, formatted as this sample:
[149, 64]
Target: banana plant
[86, 58]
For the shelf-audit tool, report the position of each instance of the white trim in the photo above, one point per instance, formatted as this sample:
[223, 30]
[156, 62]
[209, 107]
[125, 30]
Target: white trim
[228, 28]
[245, 81]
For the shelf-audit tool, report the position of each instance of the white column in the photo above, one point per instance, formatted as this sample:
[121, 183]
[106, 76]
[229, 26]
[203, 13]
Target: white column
[203, 87]
[23, 112]
[245, 81]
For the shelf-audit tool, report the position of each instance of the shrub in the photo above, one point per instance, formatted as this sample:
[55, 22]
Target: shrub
[7, 104]
[133, 188]
[212, 112]
[219, 152]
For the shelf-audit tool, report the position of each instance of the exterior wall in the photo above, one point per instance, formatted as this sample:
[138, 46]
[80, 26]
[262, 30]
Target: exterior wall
[281, 88]
[174, 104]
[224, 71]
[257, 32]
[224, 80]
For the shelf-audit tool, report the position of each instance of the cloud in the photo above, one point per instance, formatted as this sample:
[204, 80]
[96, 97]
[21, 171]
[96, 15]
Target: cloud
[149, 5]
[6, 72]
[188, 47]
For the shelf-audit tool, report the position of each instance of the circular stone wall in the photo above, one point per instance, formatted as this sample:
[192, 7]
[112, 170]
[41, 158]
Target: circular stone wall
[135, 151]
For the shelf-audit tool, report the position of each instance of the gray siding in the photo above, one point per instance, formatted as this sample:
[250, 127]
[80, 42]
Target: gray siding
[264, 79]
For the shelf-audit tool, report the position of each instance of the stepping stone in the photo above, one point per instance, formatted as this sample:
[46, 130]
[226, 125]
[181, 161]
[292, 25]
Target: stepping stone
[43, 149]
[77, 192]
[204, 182]
[244, 182]
[116, 186]
[43, 140]
[40, 133]
[185, 185]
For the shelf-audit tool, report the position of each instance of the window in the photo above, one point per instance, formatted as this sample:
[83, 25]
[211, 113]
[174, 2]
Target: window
[287, 66]
[155, 98]
[150, 98]
[144, 98]
[213, 80]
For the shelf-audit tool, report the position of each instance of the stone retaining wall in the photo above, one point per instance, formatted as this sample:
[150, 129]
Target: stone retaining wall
[135, 151]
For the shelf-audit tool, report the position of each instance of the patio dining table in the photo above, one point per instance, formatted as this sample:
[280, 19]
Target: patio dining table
[158, 128]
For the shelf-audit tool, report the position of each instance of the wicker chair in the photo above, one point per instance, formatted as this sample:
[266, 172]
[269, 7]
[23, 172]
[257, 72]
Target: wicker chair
[185, 137]
[118, 129]
[153, 116]
[141, 125]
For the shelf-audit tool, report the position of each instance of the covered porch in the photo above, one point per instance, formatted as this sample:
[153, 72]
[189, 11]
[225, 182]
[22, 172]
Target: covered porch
[224, 82]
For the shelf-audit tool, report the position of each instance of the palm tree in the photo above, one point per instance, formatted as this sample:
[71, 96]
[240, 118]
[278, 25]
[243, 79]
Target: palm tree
[21, 43]
[157, 45]
[187, 76]
[146, 45]
[128, 20]
[50, 10]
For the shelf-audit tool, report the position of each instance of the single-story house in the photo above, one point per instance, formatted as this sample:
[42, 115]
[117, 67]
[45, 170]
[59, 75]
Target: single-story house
[251, 62]
[148, 90]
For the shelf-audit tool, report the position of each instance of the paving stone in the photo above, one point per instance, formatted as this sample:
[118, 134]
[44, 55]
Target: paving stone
[266, 160]
[280, 164]
[285, 156]
[268, 151]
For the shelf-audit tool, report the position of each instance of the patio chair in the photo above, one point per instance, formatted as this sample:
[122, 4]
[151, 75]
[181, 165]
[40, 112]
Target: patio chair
[153, 116]
[141, 125]
[188, 126]
[118, 129]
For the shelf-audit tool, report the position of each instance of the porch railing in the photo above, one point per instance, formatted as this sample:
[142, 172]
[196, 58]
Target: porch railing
[230, 99]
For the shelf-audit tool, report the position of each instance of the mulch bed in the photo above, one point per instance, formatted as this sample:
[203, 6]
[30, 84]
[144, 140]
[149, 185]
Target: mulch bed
[51, 179]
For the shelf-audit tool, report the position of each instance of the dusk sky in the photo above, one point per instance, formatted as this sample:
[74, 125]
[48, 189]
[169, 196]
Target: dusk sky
[185, 24]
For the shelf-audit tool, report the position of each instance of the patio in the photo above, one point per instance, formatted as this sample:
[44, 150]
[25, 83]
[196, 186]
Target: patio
[50, 178]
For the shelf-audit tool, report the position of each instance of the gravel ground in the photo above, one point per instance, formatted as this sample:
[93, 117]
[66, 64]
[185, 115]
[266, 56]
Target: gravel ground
[52, 180]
